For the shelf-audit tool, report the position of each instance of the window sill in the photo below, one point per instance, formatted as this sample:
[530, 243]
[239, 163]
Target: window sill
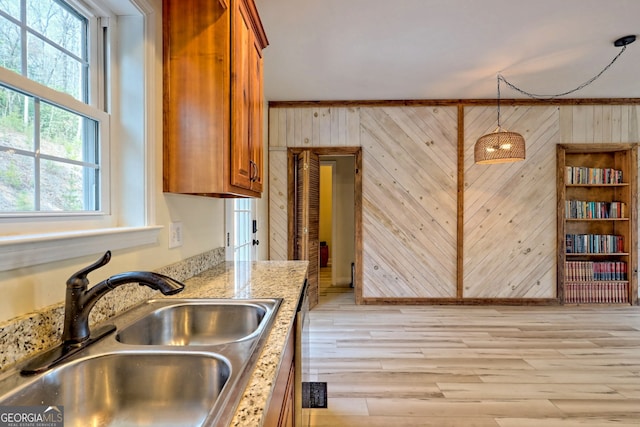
[29, 250]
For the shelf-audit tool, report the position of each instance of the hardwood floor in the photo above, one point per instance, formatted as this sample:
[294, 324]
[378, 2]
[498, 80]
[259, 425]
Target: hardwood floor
[445, 366]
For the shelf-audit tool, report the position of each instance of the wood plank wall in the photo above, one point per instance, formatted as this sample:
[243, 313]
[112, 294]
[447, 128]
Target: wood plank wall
[409, 192]
[278, 220]
[410, 187]
[510, 209]
[584, 124]
[301, 127]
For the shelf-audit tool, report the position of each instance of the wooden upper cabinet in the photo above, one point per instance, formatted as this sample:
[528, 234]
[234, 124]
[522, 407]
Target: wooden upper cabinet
[246, 78]
[213, 124]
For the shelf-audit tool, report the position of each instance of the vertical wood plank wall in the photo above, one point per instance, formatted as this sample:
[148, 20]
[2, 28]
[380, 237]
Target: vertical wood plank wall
[410, 188]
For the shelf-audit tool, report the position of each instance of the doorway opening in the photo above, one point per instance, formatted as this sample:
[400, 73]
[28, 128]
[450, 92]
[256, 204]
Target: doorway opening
[325, 216]
[337, 221]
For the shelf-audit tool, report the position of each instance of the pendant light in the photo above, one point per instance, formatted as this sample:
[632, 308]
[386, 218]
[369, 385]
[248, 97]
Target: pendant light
[499, 146]
[502, 146]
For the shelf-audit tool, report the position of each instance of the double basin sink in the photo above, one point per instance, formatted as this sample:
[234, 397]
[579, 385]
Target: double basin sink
[171, 362]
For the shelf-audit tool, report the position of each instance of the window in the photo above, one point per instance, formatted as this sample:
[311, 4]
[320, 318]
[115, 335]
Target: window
[241, 242]
[50, 144]
[78, 127]
[241, 229]
[47, 42]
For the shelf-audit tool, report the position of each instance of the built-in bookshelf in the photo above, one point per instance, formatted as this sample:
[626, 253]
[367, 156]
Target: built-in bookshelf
[597, 225]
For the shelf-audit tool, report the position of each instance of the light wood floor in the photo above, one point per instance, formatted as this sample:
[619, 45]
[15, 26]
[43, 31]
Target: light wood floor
[468, 366]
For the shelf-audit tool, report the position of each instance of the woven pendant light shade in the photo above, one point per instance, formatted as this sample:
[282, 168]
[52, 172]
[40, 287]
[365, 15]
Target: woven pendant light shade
[501, 146]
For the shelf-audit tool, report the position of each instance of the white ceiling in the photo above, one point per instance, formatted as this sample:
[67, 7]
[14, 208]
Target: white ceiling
[447, 49]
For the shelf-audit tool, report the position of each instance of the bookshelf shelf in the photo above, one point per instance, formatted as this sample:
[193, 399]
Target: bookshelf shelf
[597, 281]
[622, 184]
[597, 254]
[597, 225]
[596, 219]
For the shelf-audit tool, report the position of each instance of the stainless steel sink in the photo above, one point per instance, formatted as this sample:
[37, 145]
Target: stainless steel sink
[197, 323]
[130, 389]
[173, 362]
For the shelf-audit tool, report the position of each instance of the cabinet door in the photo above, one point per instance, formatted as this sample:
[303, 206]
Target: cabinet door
[287, 417]
[241, 54]
[281, 411]
[196, 67]
[256, 115]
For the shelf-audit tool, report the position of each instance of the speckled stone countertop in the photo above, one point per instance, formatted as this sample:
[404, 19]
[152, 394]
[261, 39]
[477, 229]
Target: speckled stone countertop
[30, 333]
[262, 279]
[33, 332]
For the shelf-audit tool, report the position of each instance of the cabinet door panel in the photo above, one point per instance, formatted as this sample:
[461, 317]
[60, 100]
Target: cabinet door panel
[256, 114]
[241, 50]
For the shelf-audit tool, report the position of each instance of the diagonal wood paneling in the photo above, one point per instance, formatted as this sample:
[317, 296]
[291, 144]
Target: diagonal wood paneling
[278, 225]
[409, 190]
[510, 209]
[409, 202]
[409, 186]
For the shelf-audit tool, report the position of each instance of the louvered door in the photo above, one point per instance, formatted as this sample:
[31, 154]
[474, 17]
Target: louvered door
[307, 214]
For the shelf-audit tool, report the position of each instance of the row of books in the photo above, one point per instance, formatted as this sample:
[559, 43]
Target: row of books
[596, 293]
[594, 244]
[584, 175]
[576, 271]
[580, 209]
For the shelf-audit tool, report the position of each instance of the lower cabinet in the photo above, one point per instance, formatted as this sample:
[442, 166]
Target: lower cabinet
[287, 415]
[281, 410]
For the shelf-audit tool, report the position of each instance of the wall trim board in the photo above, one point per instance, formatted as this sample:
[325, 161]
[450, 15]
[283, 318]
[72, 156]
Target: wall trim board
[453, 102]
[460, 220]
[327, 151]
[462, 301]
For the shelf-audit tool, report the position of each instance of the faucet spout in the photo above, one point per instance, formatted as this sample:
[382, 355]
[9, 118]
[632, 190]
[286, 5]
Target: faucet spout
[80, 300]
[157, 281]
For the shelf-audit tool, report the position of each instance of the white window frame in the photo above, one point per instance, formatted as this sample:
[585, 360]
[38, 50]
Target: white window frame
[30, 88]
[38, 239]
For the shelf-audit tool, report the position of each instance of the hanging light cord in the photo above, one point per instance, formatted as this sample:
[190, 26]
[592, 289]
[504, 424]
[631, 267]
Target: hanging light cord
[539, 96]
[499, 78]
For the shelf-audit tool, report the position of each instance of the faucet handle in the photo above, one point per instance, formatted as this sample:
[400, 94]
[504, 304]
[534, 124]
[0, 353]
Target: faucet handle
[79, 278]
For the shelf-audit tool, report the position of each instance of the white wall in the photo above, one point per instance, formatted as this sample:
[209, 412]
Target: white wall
[325, 226]
[343, 250]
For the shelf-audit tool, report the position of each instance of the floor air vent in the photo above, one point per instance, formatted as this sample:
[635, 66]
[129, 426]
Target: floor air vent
[314, 395]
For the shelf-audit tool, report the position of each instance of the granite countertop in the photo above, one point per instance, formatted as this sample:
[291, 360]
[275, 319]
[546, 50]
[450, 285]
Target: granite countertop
[260, 279]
